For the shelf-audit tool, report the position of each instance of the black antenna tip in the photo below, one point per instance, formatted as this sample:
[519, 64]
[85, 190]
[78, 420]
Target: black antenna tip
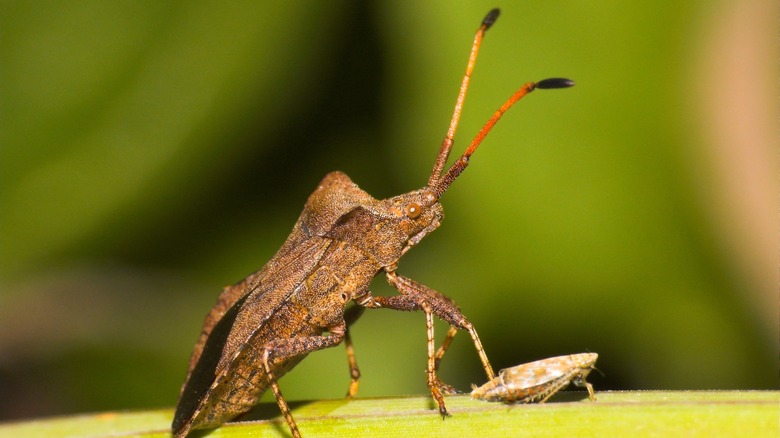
[555, 83]
[491, 18]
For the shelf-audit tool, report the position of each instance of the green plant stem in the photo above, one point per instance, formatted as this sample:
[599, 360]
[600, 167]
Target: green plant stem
[567, 414]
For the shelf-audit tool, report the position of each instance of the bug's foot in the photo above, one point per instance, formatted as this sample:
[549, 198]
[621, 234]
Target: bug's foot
[353, 389]
[439, 399]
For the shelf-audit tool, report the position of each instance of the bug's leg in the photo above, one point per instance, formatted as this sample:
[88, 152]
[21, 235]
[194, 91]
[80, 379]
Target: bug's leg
[410, 303]
[278, 395]
[443, 349]
[289, 348]
[556, 386]
[350, 316]
[580, 381]
[354, 371]
[444, 309]
[415, 296]
[434, 383]
[589, 387]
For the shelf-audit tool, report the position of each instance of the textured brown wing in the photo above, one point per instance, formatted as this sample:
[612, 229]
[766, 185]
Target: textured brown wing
[244, 308]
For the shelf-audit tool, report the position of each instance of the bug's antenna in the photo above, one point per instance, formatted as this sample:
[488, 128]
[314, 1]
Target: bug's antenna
[443, 182]
[446, 144]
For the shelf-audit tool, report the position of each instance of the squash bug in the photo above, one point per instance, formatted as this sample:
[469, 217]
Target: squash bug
[263, 326]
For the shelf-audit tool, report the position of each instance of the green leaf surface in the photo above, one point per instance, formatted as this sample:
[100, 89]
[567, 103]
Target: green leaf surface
[635, 413]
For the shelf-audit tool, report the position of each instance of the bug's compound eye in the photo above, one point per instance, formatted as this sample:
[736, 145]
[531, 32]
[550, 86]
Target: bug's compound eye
[413, 210]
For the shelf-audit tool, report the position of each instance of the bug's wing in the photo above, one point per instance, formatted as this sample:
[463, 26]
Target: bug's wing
[269, 289]
[531, 374]
[297, 253]
[226, 300]
[333, 199]
[289, 270]
[244, 308]
[201, 376]
[335, 196]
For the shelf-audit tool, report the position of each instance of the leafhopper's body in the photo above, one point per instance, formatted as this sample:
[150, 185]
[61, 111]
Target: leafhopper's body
[539, 380]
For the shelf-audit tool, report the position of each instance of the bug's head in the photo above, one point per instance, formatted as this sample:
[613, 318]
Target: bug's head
[418, 213]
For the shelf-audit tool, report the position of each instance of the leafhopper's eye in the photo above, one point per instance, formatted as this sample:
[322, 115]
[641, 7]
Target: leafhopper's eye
[413, 210]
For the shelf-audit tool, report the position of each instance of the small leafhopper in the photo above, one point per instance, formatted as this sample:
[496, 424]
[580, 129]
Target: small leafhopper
[538, 381]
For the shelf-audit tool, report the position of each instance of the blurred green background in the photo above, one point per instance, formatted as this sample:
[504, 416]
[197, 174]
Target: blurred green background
[153, 152]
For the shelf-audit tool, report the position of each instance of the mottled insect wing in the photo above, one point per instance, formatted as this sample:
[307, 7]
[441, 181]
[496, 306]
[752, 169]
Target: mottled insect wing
[234, 330]
[540, 372]
[245, 308]
[202, 376]
[539, 380]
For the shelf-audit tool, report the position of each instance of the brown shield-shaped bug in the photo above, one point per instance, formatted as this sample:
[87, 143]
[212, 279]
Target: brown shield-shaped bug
[266, 324]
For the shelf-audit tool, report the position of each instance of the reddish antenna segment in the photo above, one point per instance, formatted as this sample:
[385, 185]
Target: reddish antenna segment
[439, 182]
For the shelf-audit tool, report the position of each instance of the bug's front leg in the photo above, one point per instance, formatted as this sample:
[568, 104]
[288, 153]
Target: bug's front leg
[416, 296]
[288, 348]
[409, 303]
